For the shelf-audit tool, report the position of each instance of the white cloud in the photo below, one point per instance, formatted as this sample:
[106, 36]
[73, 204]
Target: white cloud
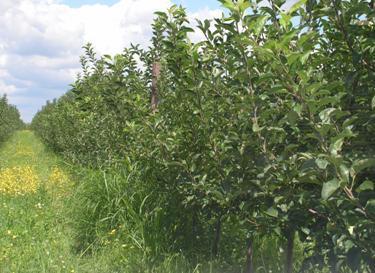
[41, 41]
[6, 89]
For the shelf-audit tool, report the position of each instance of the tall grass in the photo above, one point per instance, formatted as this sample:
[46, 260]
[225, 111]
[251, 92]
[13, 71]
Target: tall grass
[119, 220]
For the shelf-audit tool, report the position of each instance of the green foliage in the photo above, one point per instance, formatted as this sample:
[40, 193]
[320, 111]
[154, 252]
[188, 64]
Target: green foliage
[10, 119]
[263, 129]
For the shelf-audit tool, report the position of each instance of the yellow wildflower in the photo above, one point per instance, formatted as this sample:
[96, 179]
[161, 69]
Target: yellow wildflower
[58, 182]
[18, 181]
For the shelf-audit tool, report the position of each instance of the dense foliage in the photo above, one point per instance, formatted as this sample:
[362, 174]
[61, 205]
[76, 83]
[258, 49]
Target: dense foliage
[10, 119]
[263, 130]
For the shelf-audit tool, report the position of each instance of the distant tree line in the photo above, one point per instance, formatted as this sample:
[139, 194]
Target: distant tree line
[10, 119]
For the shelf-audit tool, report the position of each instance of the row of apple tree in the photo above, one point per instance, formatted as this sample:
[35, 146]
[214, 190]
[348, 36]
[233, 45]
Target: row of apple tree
[262, 129]
[10, 119]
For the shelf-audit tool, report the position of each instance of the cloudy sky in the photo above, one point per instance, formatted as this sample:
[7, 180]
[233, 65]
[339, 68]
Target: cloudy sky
[41, 40]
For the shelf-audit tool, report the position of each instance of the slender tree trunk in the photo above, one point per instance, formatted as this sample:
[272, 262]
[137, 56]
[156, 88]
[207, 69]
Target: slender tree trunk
[289, 253]
[154, 88]
[194, 228]
[332, 259]
[249, 257]
[372, 266]
[215, 247]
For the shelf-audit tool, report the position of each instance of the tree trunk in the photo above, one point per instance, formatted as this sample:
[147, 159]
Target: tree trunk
[249, 257]
[194, 228]
[332, 261]
[215, 247]
[372, 266]
[289, 253]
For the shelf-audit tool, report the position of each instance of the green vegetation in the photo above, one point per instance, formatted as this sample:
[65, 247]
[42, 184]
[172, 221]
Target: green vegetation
[38, 233]
[10, 119]
[33, 225]
[36, 228]
[255, 154]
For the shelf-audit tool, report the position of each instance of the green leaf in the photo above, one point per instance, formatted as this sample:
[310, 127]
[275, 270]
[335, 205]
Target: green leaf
[329, 188]
[373, 103]
[360, 165]
[292, 117]
[321, 163]
[228, 4]
[285, 20]
[217, 195]
[366, 186]
[277, 230]
[305, 230]
[305, 56]
[259, 23]
[370, 205]
[336, 146]
[344, 172]
[244, 5]
[325, 115]
[241, 206]
[297, 6]
[354, 258]
[256, 128]
[160, 13]
[272, 212]
[187, 29]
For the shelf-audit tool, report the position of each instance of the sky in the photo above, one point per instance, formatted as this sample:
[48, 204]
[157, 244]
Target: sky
[192, 5]
[41, 40]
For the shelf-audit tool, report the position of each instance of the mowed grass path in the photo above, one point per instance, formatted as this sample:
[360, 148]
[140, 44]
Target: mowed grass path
[35, 234]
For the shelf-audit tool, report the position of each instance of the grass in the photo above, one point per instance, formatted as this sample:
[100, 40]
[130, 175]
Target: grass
[41, 226]
[104, 223]
[35, 234]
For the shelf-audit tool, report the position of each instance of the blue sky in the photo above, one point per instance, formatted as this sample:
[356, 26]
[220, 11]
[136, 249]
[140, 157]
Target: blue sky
[192, 5]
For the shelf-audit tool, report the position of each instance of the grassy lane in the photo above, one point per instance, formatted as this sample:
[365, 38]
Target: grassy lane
[34, 233]
[36, 211]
